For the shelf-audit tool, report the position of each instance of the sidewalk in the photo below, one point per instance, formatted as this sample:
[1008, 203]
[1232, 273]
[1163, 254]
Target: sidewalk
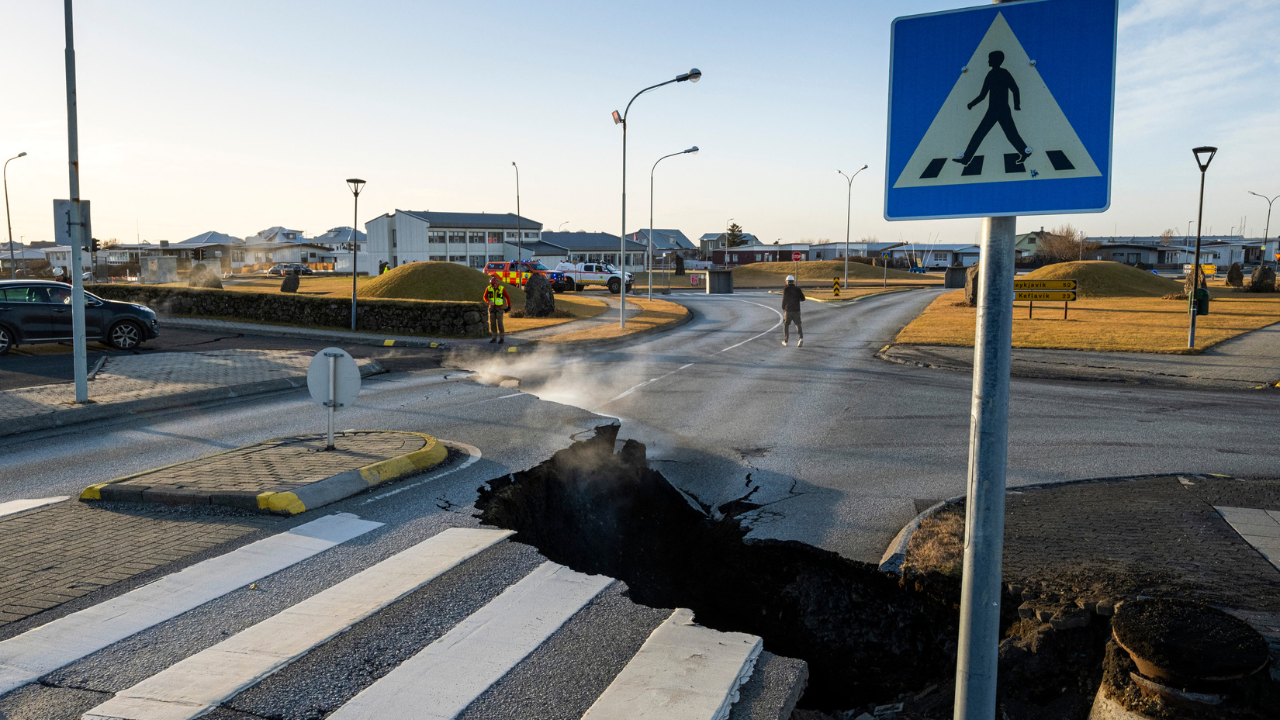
[1251, 361]
[1075, 553]
[284, 476]
[138, 383]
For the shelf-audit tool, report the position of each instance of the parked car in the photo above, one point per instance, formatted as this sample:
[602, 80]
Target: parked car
[39, 311]
[583, 275]
[283, 269]
[518, 272]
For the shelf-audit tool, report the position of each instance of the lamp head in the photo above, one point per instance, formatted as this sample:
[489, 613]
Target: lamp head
[355, 184]
[22, 154]
[864, 167]
[693, 150]
[693, 75]
[1204, 156]
[617, 118]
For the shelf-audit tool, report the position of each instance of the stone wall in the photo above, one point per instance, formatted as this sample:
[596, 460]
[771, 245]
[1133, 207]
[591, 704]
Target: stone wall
[452, 319]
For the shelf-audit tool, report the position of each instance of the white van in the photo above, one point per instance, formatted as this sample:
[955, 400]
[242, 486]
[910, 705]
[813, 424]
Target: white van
[584, 274]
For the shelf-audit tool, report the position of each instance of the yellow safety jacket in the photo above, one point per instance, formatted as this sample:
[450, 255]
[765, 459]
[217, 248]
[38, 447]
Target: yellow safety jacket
[496, 296]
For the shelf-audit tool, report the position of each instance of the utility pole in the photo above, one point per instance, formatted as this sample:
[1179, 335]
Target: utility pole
[848, 222]
[75, 225]
[978, 651]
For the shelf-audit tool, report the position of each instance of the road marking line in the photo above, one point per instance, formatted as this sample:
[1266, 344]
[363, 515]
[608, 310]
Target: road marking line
[27, 657]
[472, 450]
[682, 672]
[766, 332]
[446, 676]
[196, 685]
[17, 506]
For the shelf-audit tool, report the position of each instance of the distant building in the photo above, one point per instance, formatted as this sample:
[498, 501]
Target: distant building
[710, 242]
[831, 250]
[666, 241]
[750, 254]
[1026, 244]
[339, 238]
[598, 247]
[471, 239]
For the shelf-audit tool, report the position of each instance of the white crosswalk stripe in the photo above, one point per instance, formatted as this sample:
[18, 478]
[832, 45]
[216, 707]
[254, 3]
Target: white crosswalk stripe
[441, 680]
[682, 672]
[27, 657]
[196, 685]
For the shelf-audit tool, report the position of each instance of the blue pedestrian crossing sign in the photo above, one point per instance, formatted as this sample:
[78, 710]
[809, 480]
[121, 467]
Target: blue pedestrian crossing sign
[1002, 110]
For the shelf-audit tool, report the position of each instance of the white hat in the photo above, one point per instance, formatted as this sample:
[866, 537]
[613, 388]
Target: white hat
[791, 278]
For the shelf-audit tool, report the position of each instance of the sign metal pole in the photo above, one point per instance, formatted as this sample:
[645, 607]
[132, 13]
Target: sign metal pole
[333, 395]
[75, 222]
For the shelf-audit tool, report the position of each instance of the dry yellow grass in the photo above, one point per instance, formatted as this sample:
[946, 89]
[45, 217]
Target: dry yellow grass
[581, 307]
[308, 285]
[938, 544]
[1114, 324]
[656, 314]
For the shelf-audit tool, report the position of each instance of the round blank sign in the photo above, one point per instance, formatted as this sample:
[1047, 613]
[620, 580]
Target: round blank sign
[347, 378]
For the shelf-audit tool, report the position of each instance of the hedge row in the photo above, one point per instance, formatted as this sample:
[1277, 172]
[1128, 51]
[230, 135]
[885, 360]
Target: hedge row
[452, 319]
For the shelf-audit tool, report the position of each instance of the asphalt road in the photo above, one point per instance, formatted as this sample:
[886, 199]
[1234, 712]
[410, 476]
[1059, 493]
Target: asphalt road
[49, 364]
[842, 449]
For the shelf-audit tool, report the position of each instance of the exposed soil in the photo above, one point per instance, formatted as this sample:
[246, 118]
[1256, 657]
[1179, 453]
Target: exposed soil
[1190, 640]
[869, 638]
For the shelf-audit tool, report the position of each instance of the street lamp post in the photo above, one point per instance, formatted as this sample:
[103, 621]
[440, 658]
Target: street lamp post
[1266, 234]
[848, 221]
[519, 232]
[566, 222]
[691, 151]
[13, 267]
[693, 75]
[356, 185]
[1203, 162]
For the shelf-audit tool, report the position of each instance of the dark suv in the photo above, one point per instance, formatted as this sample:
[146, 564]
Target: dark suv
[39, 311]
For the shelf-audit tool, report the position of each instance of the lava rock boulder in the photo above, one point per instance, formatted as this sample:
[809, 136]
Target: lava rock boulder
[1263, 279]
[1235, 276]
[971, 286]
[539, 298]
[290, 282]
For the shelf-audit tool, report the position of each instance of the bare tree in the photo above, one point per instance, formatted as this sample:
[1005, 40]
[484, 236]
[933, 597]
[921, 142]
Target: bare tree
[1166, 237]
[1064, 244]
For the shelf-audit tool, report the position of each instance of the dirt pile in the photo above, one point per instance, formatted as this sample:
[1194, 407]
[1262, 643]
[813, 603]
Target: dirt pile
[433, 281]
[1103, 278]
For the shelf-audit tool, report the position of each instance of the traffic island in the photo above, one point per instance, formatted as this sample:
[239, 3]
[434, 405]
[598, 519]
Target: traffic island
[284, 476]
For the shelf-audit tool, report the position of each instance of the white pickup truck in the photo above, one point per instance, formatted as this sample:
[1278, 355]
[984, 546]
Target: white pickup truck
[584, 274]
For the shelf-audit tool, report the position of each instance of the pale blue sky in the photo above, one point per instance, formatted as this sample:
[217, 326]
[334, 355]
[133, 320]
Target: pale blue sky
[237, 115]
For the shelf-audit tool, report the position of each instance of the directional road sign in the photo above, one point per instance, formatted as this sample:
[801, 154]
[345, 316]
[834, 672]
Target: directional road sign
[1002, 110]
[1069, 296]
[1044, 284]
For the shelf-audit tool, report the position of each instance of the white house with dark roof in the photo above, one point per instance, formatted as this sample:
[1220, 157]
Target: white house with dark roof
[472, 239]
[665, 241]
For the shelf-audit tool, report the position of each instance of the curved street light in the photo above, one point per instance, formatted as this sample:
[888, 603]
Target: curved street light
[691, 151]
[566, 222]
[693, 75]
[1265, 233]
[13, 267]
[519, 232]
[1204, 156]
[356, 185]
[848, 221]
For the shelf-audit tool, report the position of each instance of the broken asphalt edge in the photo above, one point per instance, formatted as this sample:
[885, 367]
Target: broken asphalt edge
[105, 411]
[316, 494]
[895, 556]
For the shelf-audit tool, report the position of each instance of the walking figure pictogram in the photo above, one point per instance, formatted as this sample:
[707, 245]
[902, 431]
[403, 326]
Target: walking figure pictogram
[997, 87]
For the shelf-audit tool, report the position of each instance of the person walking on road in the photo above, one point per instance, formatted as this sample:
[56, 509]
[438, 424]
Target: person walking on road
[791, 299]
[496, 297]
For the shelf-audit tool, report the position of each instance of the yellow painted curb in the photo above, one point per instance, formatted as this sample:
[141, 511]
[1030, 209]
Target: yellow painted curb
[285, 503]
[93, 492]
[431, 454]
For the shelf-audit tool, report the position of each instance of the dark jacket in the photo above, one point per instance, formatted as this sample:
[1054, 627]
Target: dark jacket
[791, 298]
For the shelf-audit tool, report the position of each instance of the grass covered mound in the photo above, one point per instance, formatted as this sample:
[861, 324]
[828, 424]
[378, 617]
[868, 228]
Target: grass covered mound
[823, 270]
[1103, 279]
[433, 281]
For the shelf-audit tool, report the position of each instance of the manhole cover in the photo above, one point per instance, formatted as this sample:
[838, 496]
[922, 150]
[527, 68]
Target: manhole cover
[1181, 641]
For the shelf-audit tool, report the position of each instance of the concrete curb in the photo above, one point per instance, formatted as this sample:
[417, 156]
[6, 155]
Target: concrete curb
[308, 497]
[92, 412]
[337, 336]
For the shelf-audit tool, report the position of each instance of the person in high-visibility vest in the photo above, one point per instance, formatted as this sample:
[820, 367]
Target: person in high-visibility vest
[499, 302]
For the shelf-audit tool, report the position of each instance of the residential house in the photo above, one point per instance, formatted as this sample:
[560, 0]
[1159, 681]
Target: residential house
[666, 241]
[16, 255]
[834, 250]
[750, 254]
[60, 256]
[938, 256]
[1026, 244]
[471, 239]
[339, 238]
[718, 241]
